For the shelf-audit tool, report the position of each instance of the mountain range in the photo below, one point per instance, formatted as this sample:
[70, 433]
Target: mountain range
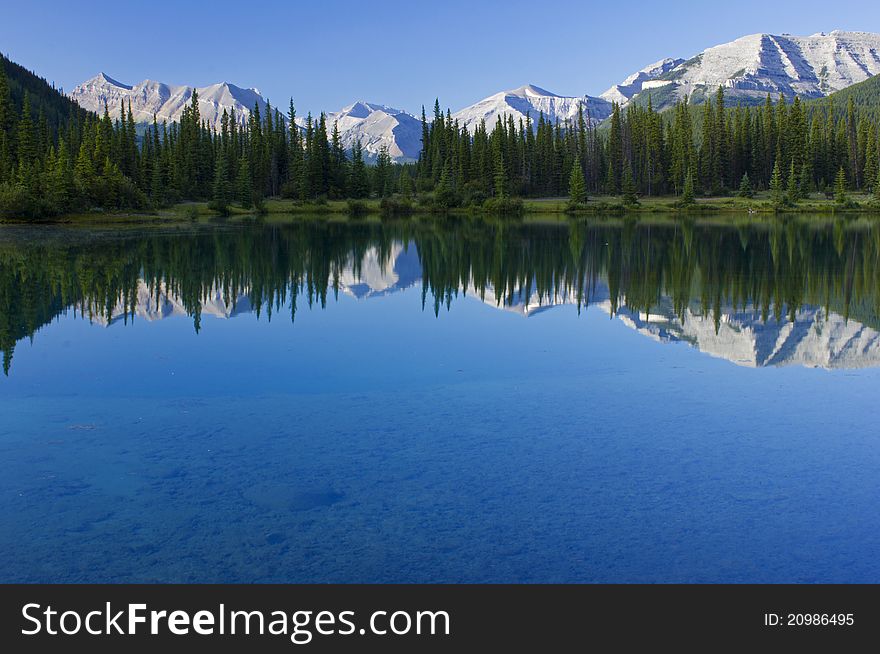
[748, 68]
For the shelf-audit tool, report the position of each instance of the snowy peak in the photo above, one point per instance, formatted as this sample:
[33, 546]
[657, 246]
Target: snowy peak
[531, 91]
[104, 79]
[533, 101]
[757, 64]
[378, 126]
[165, 101]
[635, 83]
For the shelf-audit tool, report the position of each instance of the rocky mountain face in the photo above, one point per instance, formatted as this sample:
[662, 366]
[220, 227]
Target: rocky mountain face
[378, 126]
[534, 101]
[165, 101]
[752, 66]
[748, 68]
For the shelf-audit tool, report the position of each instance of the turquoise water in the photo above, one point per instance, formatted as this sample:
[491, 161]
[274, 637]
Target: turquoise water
[614, 413]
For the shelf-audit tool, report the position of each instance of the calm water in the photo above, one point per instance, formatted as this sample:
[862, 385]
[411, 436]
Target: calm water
[440, 401]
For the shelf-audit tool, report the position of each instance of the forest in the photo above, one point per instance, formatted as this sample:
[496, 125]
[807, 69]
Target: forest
[56, 158]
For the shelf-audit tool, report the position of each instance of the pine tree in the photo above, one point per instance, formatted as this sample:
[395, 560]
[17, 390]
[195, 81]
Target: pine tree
[806, 181]
[244, 183]
[745, 187]
[840, 196]
[500, 185]
[628, 188]
[687, 195]
[577, 188]
[877, 186]
[776, 186]
[358, 184]
[382, 173]
[444, 196]
[222, 188]
[793, 192]
[405, 183]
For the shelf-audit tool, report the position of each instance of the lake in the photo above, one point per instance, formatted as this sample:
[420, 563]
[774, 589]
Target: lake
[441, 400]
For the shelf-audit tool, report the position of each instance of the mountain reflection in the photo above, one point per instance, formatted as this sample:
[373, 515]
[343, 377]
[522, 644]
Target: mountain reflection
[802, 291]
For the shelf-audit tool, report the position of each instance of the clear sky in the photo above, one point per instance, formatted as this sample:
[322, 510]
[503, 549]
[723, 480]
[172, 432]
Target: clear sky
[403, 54]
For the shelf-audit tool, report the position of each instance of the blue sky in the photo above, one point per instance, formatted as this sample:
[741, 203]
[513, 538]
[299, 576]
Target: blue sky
[402, 54]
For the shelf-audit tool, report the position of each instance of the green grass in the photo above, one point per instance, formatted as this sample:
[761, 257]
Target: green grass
[534, 209]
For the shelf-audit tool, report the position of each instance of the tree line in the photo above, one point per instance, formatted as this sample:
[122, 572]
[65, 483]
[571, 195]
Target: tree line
[76, 160]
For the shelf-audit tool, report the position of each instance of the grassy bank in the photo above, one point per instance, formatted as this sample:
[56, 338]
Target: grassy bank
[530, 209]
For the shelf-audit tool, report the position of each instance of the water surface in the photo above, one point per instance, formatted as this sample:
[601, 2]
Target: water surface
[436, 400]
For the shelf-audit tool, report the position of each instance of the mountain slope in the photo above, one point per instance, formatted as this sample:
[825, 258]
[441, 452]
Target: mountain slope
[752, 66]
[634, 84]
[865, 95]
[44, 98]
[165, 101]
[532, 100]
[377, 125]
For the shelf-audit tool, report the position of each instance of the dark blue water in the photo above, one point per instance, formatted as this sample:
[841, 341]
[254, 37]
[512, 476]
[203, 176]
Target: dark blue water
[373, 439]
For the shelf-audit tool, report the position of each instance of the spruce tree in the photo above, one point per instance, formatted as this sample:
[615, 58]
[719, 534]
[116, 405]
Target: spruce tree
[877, 186]
[745, 187]
[244, 183]
[628, 188]
[687, 195]
[222, 189]
[776, 186]
[806, 181]
[405, 183]
[840, 196]
[382, 173]
[793, 192]
[358, 183]
[577, 188]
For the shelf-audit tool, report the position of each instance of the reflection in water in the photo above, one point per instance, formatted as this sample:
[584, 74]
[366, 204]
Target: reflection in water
[797, 292]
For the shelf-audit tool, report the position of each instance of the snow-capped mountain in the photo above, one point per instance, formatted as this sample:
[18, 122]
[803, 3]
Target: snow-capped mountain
[377, 125]
[635, 83]
[752, 66]
[165, 101]
[532, 100]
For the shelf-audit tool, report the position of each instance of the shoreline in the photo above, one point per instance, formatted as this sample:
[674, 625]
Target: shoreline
[555, 208]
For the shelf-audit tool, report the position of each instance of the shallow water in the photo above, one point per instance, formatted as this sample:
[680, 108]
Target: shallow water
[449, 401]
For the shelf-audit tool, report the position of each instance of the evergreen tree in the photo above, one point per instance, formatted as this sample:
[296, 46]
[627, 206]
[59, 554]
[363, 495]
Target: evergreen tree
[745, 187]
[405, 183]
[793, 192]
[628, 187]
[840, 196]
[222, 188]
[776, 185]
[687, 195]
[577, 188]
[806, 181]
[358, 184]
[382, 173]
[244, 183]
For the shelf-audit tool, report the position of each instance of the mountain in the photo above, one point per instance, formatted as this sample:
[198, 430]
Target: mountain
[752, 66]
[377, 125]
[44, 98]
[532, 100]
[165, 101]
[865, 95]
[638, 81]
